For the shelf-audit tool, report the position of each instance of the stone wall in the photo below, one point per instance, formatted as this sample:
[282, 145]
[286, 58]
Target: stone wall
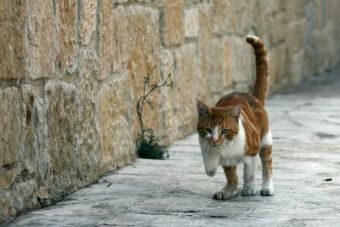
[72, 70]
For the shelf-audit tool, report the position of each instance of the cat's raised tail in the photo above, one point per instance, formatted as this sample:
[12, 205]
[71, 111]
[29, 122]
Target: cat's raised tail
[261, 82]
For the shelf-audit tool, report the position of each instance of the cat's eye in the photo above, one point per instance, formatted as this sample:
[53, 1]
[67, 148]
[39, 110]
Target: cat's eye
[225, 130]
[208, 130]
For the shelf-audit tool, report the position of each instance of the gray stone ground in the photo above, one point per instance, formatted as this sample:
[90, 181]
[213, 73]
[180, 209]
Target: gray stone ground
[176, 192]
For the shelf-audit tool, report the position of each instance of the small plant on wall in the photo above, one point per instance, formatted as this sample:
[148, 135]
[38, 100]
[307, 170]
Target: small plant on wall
[148, 144]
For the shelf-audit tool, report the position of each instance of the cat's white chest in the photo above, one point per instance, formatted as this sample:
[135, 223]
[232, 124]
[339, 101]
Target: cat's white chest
[228, 154]
[233, 152]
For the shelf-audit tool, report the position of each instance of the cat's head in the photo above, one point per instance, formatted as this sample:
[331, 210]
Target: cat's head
[217, 125]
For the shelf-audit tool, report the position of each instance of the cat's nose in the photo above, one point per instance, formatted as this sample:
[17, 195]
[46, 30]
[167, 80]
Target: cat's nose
[215, 139]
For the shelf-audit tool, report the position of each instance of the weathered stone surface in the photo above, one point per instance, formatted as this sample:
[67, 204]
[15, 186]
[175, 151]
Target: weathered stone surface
[187, 74]
[119, 42]
[204, 49]
[230, 60]
[167, 95]
[10, 135]
[88, 136]
[41, 37]
[34, 158]
[143, 60]
[191, 23]
[7, 178]
[12, 39]
[88, 20]
[66, 13]
[219, 14]
[216, 59]
[296, 70]
[296, 9]
[173, 19]
[116, 144]
[296, 39]
[22, 196]
[263, 18]
[244, 16]
[227, 63]
[277, 68]
[279, 30]
[105, 39]
[243, 60]
[61, 116]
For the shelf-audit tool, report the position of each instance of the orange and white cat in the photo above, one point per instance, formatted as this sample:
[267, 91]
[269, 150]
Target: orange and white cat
[237, 130]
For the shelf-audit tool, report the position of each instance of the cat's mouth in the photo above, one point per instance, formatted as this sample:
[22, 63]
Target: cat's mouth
[216, 144]
[210, 173]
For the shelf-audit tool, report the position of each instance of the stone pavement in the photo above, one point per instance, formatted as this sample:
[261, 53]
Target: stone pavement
[306, 130]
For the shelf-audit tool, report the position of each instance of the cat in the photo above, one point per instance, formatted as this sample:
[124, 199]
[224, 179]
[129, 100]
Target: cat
[237, 130]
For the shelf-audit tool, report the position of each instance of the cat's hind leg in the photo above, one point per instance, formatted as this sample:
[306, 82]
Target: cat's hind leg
[267, 171]
[230, 189]
[250, 166]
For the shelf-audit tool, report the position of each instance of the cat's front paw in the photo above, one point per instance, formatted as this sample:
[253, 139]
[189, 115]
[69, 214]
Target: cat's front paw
[226, 193]
[248, 190]
[267, 191]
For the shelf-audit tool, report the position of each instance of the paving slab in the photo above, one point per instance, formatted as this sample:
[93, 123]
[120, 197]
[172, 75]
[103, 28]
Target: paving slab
[305, 124]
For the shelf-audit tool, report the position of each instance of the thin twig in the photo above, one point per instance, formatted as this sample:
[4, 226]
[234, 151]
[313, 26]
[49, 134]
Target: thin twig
[141, 100]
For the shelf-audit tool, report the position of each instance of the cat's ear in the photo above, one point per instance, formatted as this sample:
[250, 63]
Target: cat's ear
[236, 112]
[202, 109]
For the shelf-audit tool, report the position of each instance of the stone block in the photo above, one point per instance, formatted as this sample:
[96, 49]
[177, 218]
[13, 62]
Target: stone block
[87, 20]
[143, 59]
[191, 23]
[296, 38]
[119, 41]
[187, 75]
[320, 14]
[173, 19]
[227, 63]
[295, 9]
[296, 70]
[276, 6]
[325, 49]
[10, 126]
[278, 74]
[242, 60]
[7, 178]
[35, 157]
[21, 196]
[62, 125]
[116, 139]
[167, 96]
[204, 48]
[221, 60]
[88, 138]
[13, 16]
[221, 11]
[310, 61]
[244, 16]
[105, 38]
[279, 31]
[41, 39]
[66, 13]
[216, 60]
